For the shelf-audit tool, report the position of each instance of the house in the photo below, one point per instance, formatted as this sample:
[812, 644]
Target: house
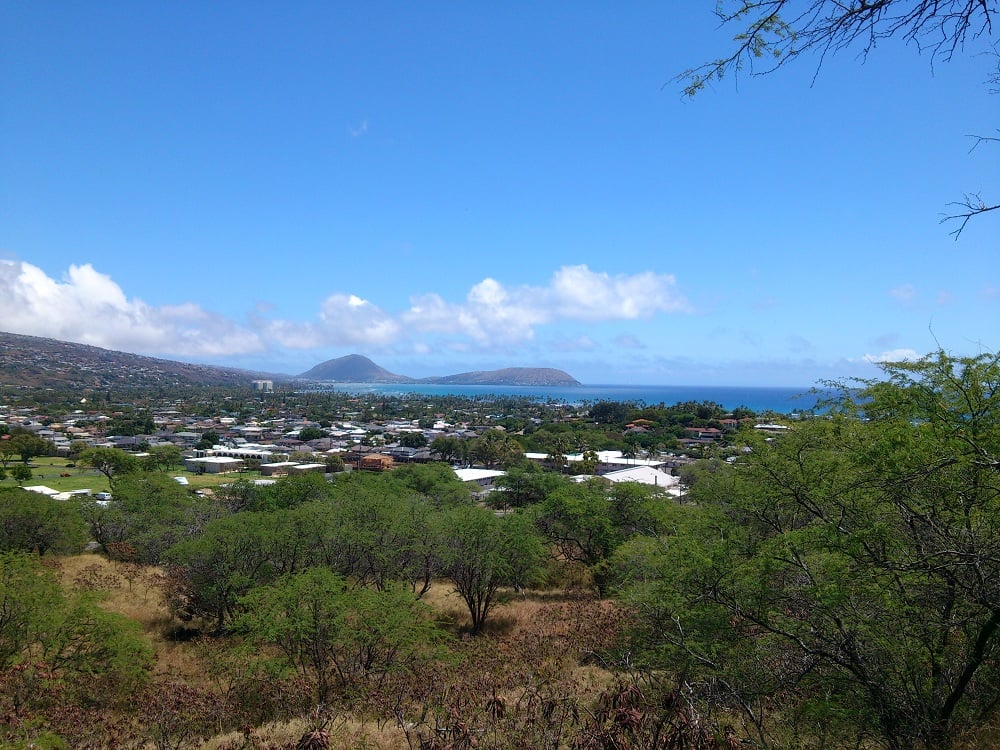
[483, 478]
[276, 468]
[646, 475]
[375, 462]
[308, 469]
[213, 464]
[703, 433]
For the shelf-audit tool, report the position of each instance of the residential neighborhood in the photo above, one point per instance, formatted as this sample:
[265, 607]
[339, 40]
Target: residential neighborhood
[271, 438]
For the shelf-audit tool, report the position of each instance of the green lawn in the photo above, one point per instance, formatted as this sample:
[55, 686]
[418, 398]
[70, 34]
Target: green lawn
[49, 471]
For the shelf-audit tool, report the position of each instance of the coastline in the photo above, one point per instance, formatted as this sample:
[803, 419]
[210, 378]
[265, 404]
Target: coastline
[777, 399]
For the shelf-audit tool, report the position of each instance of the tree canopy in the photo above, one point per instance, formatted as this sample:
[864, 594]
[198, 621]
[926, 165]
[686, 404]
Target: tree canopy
[847, 571]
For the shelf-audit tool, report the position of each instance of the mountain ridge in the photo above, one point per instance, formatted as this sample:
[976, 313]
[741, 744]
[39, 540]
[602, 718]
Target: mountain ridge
[355, 368]
[36, 361]
[41, 362]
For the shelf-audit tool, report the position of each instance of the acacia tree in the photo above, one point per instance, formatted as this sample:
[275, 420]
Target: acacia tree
[335, 635]
[95, 652]
[30, 522]
[772, 33]
[209, 573]
[26, 445]
[111, 462]
[482, 552]
[850, 569]
[163, 457]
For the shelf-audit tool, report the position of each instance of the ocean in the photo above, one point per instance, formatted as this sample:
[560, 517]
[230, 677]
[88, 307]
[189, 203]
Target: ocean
[759, 399]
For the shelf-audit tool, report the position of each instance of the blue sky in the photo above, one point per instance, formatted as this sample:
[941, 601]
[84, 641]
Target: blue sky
[447, 187]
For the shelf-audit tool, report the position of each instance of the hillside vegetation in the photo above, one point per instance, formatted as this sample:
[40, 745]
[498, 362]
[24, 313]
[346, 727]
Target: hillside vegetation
[834, 586]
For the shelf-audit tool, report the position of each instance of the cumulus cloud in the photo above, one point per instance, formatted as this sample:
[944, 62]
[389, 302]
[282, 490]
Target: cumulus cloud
[343, 320]
[492, 312]
[893, 355]
[581, 294]
[87, 307]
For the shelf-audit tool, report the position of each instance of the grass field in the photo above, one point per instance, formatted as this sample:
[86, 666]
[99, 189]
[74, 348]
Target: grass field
[63, 475]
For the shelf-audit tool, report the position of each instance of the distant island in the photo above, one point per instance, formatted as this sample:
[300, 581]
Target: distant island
[355, 368]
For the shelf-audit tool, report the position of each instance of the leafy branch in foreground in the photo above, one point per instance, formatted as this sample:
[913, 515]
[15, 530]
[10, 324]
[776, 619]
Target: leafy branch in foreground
[847, 575]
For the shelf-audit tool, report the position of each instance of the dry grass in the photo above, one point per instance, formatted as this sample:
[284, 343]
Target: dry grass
[136, 592]
[533, 641]
[345, 733]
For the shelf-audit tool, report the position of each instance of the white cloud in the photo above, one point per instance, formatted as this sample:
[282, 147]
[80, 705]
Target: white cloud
[893, 355]
[494, 314]
[87, 307]
[581, 294]
[343, 320]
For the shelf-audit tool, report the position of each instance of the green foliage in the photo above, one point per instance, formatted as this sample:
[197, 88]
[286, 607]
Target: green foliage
[450, 449]
[378, 531]
[413, 440]
[435, 483]
[163, 457]
[610, 412]
[849, 569]
[24, 444]
[311, 433]
[336, 635]
[587, 521]
[97, 652]
[210, 573]
[482, 552]
[136, 423]
[209, 439]
[334, 463]
[291, 491]
[29, 598]
[20, 473]
[111, 462]
[32, 522]
[523, 486]
[495, 448]
[102, 654]
[150, 511]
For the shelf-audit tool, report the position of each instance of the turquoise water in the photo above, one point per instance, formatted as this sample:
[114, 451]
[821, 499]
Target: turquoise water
[759, 399]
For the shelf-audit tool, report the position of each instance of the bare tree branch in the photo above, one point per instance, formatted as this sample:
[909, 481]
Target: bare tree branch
[973, 205]
[777, 31]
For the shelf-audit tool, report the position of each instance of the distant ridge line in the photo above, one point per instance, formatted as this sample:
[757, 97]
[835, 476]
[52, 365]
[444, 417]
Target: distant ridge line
[355, 368]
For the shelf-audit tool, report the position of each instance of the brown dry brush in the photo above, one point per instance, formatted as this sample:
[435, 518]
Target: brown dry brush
[627, 716]
[521, 691]
[633, 717]
[36, 703]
